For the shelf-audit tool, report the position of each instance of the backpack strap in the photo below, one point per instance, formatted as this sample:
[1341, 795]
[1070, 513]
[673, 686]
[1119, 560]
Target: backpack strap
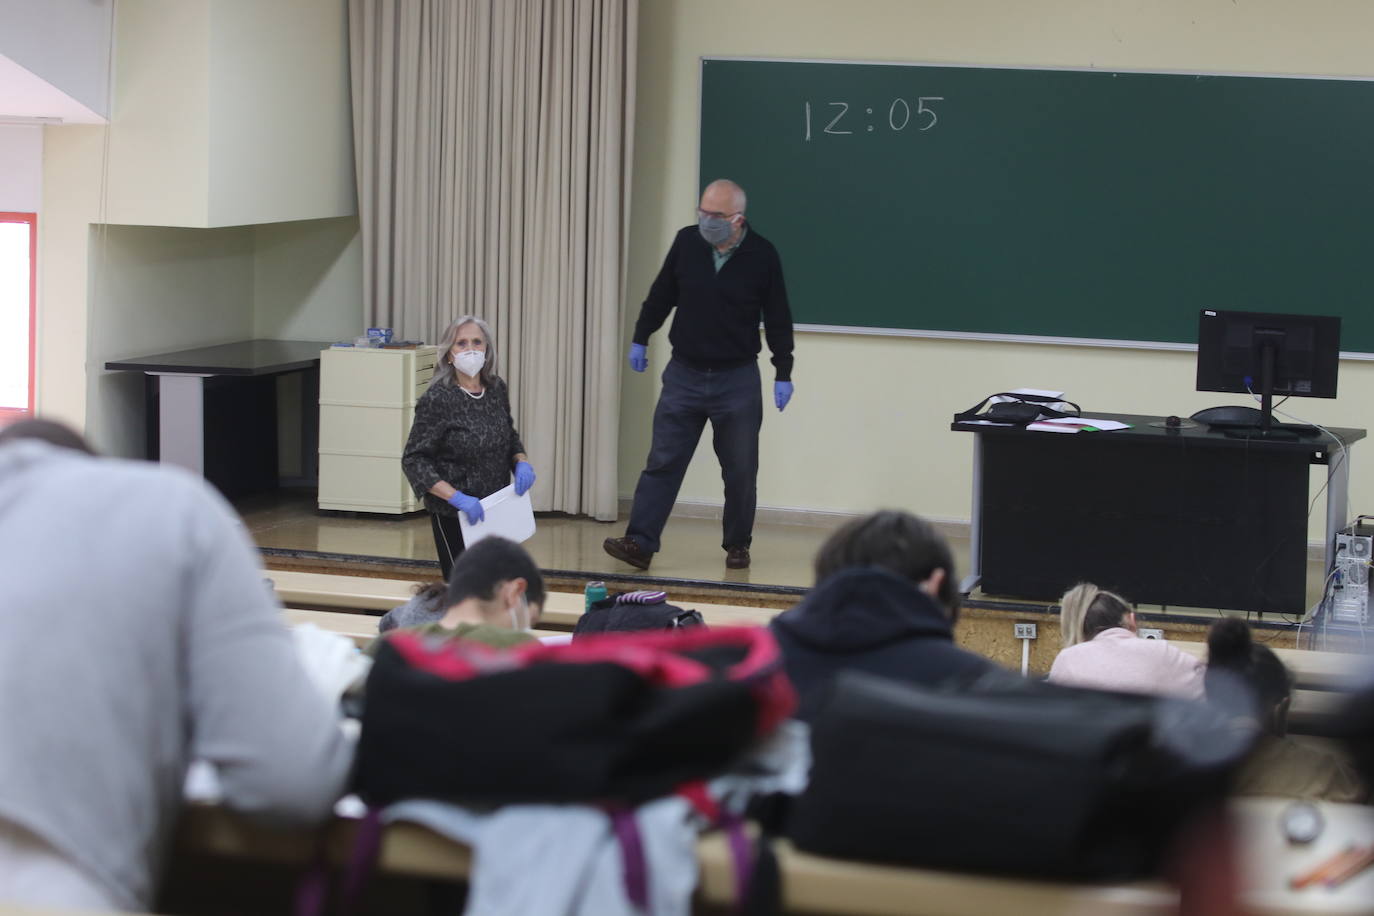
[632, 856]
[312, 891]
[720, 816]
[973, 412]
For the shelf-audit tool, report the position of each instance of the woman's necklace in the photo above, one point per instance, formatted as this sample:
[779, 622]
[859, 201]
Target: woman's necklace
[476, 397]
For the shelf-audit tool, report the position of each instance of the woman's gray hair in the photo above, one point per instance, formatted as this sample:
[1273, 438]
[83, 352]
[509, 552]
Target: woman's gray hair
[443, 365]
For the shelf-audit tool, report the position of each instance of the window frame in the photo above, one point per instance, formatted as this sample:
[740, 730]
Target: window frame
[14, 413]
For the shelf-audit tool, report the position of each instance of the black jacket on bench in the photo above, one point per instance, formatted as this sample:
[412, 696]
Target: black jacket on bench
[871, 620]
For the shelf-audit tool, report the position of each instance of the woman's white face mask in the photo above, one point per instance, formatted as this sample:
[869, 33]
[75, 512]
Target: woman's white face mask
[469, 362]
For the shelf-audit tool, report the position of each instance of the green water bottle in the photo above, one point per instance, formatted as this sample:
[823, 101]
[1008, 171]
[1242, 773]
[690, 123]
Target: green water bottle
[596, 591]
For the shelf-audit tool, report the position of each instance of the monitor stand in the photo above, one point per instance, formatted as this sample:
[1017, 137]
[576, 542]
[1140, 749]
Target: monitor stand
[1267, 428]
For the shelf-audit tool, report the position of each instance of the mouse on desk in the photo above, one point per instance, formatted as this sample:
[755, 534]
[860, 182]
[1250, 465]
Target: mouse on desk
[1229, 415]
[1172, 422]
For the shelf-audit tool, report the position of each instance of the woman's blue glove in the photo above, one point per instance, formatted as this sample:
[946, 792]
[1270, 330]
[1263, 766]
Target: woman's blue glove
[524, 477]
[470, 506]
[639, 357]
[782, 393]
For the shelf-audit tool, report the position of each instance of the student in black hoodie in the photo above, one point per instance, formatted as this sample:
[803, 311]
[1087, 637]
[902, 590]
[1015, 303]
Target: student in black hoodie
[884, 603]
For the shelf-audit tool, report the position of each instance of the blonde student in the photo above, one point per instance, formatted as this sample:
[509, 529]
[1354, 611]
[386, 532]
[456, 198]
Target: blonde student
[1104, 651]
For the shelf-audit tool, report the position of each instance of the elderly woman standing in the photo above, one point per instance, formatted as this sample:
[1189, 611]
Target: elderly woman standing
[463, 445]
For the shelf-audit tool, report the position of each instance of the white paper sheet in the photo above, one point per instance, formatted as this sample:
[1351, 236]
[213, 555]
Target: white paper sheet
[1102, 425]
[507, 515]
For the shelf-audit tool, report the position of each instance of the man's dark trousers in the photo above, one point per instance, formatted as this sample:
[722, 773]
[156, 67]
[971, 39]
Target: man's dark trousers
[732, 400]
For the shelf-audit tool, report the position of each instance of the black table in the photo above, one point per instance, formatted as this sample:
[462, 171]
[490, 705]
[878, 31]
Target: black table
[233, 386]
[1183, 517]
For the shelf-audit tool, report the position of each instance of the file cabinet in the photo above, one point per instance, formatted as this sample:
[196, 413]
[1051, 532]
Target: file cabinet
[367, 404]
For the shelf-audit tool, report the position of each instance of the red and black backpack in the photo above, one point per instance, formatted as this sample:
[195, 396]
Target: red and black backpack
[613, 718]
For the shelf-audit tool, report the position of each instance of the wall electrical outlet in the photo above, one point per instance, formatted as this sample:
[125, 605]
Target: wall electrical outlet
[1025, 630]
[1151, 633]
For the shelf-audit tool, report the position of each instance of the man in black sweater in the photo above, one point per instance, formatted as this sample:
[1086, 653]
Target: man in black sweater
[723, 278]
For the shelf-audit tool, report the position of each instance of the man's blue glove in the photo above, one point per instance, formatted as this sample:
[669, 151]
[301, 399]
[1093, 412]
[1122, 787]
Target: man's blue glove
[470, 506]
[782, 393]
[524, 477]
[639, 357]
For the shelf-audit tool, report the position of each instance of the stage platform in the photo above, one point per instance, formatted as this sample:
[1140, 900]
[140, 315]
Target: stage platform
[293, 534]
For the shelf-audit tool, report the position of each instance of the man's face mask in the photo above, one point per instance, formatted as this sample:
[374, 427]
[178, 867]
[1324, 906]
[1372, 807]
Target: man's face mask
[715, 228]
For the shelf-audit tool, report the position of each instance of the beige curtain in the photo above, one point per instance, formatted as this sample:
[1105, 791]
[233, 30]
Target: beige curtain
[493, 149]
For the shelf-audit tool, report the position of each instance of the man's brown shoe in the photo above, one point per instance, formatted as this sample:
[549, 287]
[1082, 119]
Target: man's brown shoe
[737, 558]
[627, 550]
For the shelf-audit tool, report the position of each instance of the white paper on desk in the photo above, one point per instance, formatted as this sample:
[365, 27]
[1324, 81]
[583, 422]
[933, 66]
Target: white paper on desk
[1102, 425]
[1045, 426]
[507, 515]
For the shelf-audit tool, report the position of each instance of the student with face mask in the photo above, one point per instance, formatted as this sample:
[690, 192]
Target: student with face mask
[495, 595]
[463, 444]
[723, 279]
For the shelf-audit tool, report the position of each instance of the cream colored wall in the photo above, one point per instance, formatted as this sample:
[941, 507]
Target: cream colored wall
[155, 290]
[159, 142]
[71, 202]
[308, 280]
[230, 112]
[869, 424]
[281, 130]
[21, 169]
[269, 81]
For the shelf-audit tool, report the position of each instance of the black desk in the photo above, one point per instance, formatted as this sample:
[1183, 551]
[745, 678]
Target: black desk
[1173, 517]
[234, 387]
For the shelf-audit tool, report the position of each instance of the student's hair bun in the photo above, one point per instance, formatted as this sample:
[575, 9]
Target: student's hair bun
[1229, 643]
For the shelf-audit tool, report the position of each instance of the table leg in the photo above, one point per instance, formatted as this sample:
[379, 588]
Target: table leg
[975, 528]
[181, 420]
[1337, 498]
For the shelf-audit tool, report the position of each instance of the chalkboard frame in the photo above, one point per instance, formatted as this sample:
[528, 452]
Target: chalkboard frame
[939, 334]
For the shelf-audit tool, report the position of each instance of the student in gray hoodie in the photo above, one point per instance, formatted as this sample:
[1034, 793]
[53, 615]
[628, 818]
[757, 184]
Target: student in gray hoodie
[166, 649]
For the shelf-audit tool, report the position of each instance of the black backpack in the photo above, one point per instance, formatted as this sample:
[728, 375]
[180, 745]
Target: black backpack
[1019, 778]
[630, 611]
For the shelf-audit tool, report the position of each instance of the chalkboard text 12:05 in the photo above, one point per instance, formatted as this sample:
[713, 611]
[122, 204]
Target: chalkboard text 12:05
[840, 118]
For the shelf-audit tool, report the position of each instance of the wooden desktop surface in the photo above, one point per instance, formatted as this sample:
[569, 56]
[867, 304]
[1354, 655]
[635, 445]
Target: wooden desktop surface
[561, 609]
[243, 357]
[813, 884]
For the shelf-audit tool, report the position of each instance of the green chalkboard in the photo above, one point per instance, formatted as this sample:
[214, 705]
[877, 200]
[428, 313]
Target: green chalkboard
[1050, 203]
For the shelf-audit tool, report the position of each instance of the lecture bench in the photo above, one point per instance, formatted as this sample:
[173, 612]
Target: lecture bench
[1320, 676]
[813, 884]
[369, 596]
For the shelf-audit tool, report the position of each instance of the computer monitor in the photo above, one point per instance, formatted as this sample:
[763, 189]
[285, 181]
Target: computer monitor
[1268, 354]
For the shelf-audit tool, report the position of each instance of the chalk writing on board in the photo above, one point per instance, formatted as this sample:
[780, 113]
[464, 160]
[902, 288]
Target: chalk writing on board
[899, 116]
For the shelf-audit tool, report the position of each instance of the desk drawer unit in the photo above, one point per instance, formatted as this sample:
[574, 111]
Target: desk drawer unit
[367, 405]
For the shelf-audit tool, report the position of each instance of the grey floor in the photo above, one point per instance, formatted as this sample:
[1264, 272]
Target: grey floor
[691, 546]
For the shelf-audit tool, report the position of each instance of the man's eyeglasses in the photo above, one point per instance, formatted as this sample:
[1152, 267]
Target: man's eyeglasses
[712, 214]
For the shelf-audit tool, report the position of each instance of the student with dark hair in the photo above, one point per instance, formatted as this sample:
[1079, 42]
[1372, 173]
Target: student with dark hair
[1249, 678]
[1103, 651]
[494, 596]
[884, 603]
